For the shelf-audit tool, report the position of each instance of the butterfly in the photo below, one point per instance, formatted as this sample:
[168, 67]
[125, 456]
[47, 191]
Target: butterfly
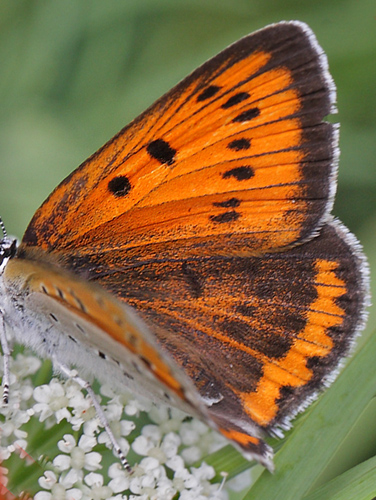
[193, 257]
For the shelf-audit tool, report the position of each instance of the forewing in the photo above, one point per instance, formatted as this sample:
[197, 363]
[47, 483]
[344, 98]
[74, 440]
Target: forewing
[234, 160]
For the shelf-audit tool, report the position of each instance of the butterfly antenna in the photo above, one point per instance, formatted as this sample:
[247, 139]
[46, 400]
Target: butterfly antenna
[2, 226]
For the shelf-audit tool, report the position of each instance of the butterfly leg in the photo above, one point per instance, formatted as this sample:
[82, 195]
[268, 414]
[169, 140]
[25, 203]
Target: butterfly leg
[71, 374]
[6, 358]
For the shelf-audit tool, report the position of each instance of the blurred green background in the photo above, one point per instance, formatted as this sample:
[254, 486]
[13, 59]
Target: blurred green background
[73, 73]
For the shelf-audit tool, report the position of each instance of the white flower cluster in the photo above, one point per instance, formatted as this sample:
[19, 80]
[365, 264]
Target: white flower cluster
[165, 447]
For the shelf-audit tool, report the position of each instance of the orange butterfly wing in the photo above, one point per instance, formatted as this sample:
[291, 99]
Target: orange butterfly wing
[191, 215]
[257, 335]
[238, 148]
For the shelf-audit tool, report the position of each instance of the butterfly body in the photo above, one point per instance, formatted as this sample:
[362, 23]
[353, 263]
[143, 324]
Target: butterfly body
[194, 257]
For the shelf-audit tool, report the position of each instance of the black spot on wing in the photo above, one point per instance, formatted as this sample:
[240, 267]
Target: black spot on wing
[225, 217]
[247, 115]
[208, 93]
[119, 186]
[167, 396]
[231, 203]
[239, 144]
[239, 173]
[127, 375]
[161, 151]
[147, 362]
[80, 304]
[235, 99]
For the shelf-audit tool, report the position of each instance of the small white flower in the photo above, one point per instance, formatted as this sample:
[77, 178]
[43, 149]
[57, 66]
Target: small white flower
[43, 495]
[51, 400]
[5, 453]
[12, 425]
[166, 446]
[205, 471]
[176, 463]
[190, 481]
[59, 488]
[48, 480]
[25, 366]
[159, 414]
[16, 413]
[97, 490]
[135, 485]
[94, 479]
[134, 406]
[190, 495]
[13, 439]
[188, 434]
[152, 432]
[191, 455]
[24, 391]
[170, 445]
[92, 427]
[165, 489]
[141, 445]
[80, 456]
[120, 478]
[82, 407]
[149, 463]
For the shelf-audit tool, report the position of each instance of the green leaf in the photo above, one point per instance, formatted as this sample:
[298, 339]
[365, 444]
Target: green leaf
[359, 482]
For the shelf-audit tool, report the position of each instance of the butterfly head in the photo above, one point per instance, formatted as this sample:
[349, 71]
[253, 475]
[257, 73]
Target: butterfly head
[8, 247]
